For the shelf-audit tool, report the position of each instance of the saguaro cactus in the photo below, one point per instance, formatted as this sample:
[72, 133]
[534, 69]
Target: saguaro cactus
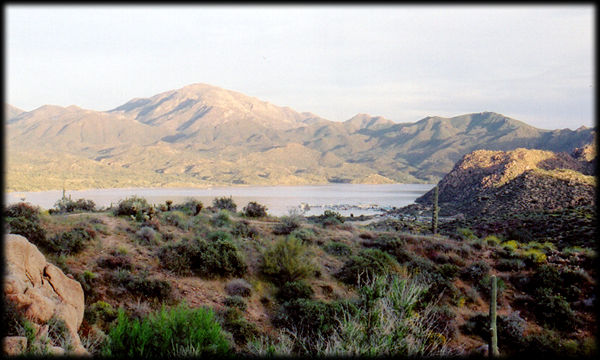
[493, 345]
[436, 209]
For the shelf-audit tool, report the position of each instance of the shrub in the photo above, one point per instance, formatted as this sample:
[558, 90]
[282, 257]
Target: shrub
[23, 209]
[69, 242]
[287, 260]
[218, 235]
[87, 281]
[510, 330]
[338, 249]
[100, 313]
[140, 284]
[25, 226]
[304, 234]
[476, 271]
[330, 217]
[67, 205]
[554, 310]
[148, 236]
[207, 259]
[510, 265]
[512, 245]
[295, 290]
[236, 301]
[367, 263]
[241, 329]
[491, 240]
[133, 206]
[167, 333]
[191, 207]
[244, 229]
[115, 261]
[286, 225]
[466, 234]
[311, 317]
[254, 209]
[176, 218]
[221, 219]
[238, 287]
[225, 203]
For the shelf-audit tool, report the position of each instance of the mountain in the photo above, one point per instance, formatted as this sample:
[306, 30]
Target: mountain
[11, 111]
[488, 182]
[201, 134]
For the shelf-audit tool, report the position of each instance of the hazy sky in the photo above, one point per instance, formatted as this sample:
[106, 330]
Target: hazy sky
[404, 63]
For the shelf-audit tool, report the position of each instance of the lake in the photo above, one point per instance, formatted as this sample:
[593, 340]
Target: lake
[356, 199]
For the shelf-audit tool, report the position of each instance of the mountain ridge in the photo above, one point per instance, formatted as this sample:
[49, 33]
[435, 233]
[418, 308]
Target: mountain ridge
[219, 136]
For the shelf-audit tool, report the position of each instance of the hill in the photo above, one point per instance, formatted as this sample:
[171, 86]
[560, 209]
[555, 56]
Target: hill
[487, 182]
[202, 134]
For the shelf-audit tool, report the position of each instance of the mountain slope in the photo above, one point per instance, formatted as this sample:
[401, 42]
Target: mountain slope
[487, 182]
[205, 134]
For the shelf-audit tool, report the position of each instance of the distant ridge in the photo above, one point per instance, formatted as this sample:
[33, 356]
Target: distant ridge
[205, 135]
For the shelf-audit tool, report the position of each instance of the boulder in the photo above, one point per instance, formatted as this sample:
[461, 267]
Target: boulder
[40, 289]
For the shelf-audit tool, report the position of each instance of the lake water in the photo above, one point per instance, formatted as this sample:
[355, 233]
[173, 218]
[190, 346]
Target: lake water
[356, 199]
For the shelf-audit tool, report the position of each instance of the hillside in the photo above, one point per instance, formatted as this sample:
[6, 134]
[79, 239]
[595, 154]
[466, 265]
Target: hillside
[497, 182]
[298, 286]
[202, 134]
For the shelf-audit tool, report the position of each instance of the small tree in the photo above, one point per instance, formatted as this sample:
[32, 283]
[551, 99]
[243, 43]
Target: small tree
[436, 209]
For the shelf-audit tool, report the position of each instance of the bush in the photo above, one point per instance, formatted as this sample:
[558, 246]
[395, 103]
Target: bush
[306, 235]
[100, 313]
[330, 218]
[67, 205]
[176, 218]
[254, 209]
[286, 225]
[23, 209]
[510, 265]
[244, 229]
[367, 263]
[219, 257]
[554, 310]
[221, 219]
[225, 203]
[236, 301]
[148, 236]
[476, 271]
[287, 260]
[311, 317]
[115, 261]
[69, 242]
[295, 290]
[238, 287]
[491, 240]
[510, 330]
[218, 235]
[167, 333]
[28, 228]
[133, 206]
[241, 329]
[338, 249]
[466, 234]
[141, 285]
[190, 207]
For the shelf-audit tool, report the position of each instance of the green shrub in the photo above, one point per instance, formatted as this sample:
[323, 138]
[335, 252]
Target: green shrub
[304, 234]
[241, 329]
[492, 240]
[295, 290]
[510, 330]
[67, 205]
[221, 219]
[132, 206]
[69, 242]
[115, 261]
[554, 310]
[141, 285]
[330, 217]
[219, 235]
[466, 234]
[219, 257]
[190, 207]
[25, 226]
[287, 260]
[225, 203]
[87, 279]
[311, 317]
[236, 301]
[100, 313]
[176, 218]
[338, 249]
[254, 209]
[286, 225]
[244, 229]
[367, 263]
[167, 333]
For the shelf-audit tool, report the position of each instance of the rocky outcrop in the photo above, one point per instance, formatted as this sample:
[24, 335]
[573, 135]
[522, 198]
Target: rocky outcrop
[494, 182]
[40, 290]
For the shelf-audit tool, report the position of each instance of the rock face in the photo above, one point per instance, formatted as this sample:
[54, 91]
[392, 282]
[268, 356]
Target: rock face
[40, 289]
[487, 182]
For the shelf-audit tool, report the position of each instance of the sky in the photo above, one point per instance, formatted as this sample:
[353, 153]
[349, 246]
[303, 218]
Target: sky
[532, 63]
